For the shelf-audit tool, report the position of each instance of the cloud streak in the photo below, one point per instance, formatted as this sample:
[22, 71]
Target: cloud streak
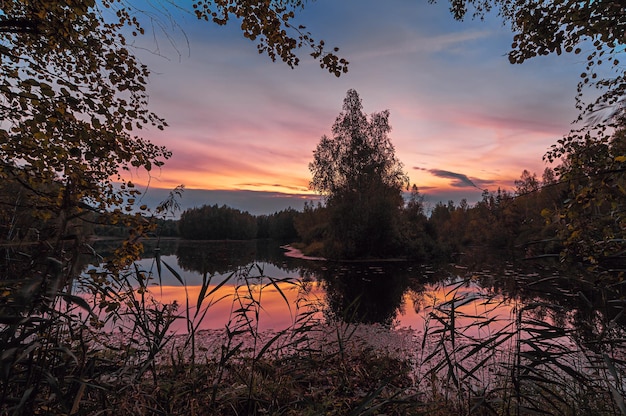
[457, 180]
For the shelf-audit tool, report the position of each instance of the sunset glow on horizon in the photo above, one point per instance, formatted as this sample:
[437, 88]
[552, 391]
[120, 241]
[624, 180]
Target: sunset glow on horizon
[463, 119]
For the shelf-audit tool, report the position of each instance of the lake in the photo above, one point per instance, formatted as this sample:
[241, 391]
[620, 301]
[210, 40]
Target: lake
[477, 288]
[484, 327]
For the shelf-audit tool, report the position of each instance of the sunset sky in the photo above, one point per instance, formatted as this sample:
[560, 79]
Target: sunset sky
[243, 128]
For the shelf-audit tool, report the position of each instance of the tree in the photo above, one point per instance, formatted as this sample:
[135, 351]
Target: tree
[73, 105]
[312, 227]
[527, 183]
[417, 236]
[359, 154]
[593, 216]
[548, 177]
[542, 27]
[590, 217]
[358, 173]
[415, 205]
[73, 98]
[212, 222]
[281, 225]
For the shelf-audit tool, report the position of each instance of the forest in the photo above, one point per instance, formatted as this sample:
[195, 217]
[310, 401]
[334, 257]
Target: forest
[524, 221]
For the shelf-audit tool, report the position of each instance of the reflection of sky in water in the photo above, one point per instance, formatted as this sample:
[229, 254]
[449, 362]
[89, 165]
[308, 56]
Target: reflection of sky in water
[473, 306]
[398, 294]
[277, 314]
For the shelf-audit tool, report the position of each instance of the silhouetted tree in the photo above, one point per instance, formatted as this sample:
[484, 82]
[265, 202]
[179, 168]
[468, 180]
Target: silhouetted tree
[281, 225]
[526, 183]
[312, 226]
[358, 173]
[417, 235]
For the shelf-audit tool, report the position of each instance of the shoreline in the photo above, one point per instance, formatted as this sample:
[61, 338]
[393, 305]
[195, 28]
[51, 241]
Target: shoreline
[295, 253]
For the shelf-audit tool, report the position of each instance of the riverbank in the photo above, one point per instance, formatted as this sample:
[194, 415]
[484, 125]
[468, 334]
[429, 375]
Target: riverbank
[318, 368]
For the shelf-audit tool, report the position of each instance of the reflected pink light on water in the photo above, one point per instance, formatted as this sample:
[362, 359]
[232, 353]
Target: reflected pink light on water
[470, 309]
[274, 312]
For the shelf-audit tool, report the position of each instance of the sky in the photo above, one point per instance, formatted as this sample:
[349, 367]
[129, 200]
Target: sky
[243, 129]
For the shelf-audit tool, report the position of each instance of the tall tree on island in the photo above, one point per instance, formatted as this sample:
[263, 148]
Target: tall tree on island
[358, 173]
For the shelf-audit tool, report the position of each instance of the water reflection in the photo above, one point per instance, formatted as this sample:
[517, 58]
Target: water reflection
[366, 293]
[221, 257]
[216, 258]
[354, 292]
[400, 293]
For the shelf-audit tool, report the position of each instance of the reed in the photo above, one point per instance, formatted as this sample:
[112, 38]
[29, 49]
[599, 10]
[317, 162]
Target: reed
[105, 344]
[527, 363]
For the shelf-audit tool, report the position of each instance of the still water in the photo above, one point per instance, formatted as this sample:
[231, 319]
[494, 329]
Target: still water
[477, 292]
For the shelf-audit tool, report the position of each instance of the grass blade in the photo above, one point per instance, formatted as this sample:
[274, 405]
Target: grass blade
[174, 272]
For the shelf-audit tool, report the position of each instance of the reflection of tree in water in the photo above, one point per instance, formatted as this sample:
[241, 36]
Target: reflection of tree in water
[215, 257]
[166, 247]
[103, 249]
[571, 299]
[226, 256]
[418, 285]
[594, 313]
[366, 293]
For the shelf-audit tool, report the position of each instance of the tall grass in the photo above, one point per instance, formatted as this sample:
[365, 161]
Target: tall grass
[533, 361]
[44, 359]
[112, 350]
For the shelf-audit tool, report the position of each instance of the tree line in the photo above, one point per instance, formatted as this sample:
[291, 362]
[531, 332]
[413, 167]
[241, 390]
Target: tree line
[214, 222]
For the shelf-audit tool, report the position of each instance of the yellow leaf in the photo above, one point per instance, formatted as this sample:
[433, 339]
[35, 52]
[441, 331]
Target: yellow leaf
[620, 159]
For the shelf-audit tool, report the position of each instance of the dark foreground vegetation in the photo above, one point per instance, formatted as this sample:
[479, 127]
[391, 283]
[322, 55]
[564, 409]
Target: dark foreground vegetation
[73, 104]
[557, 353]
